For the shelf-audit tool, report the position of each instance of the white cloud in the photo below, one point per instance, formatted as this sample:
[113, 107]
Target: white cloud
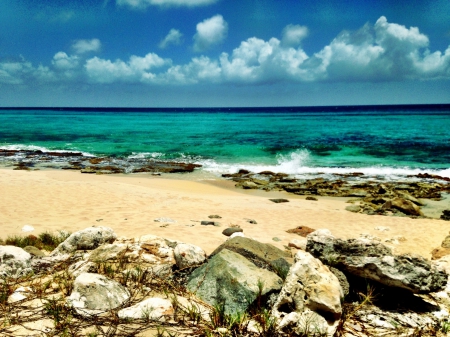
[84, 46]
[141, 4]
[174, 37]
[137, 69]
[294, 34]
[210, 32]
[380, 52]
[64, 62]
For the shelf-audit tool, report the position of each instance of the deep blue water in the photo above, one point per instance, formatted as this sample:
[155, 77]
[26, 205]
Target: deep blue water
[374, 140]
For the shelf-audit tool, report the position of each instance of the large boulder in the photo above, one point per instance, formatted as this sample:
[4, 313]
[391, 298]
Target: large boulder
[231, 280]
[95, 294]
[14, 262]
[365, 258]
[263, 255]
[310, 289]
[86, 239]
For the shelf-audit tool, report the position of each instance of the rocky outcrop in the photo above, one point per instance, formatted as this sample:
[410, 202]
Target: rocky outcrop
[446, 215]
[229, 279]
[310, 289]
[14, 262]
[372, 260]
[405, 206]
[86, 239]
[94, 294]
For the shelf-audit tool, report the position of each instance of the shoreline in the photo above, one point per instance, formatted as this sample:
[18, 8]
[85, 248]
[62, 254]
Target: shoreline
[53, 200]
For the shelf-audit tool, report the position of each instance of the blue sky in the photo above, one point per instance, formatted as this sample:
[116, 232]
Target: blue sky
[157, 53]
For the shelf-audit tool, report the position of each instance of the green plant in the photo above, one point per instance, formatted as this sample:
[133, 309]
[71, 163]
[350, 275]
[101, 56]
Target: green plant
[61, 314]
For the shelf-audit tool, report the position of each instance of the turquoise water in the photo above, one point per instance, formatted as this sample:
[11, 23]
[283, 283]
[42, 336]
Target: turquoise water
[381, 141]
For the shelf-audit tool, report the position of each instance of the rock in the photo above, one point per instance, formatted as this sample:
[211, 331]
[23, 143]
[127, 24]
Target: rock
[252, 221]
[372, 260]
[150, 309]
[310, 286]
[306, 323]
[231, 280]
[249, 185]
[404, 206]
[298, 243]
[231, 230]
[263, 255]
[342, 280]
[301, 230]
[446, 215]
[108, 252]
[409, 197]
[210, 223]
[94, 294]
[81, 267]
[86, 239]
[20, 294]
[311, 198]
[214, 216]
[382, 228]
[168, 220]
[353, 208]
[446, 242]
[187, 255]
[27, 228]
[236, 234]
[14, 262]
[276, 239]
[277, 201]
[439, 252]
[34, 251]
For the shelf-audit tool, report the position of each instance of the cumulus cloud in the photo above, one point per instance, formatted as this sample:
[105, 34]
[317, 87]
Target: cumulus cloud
[141, 4]
[210, 32]
[380, 52]
[294, 34]
[137, 69]
[173, 38]
[84, 46]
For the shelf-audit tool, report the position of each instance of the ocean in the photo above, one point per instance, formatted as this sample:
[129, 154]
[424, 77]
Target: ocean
[384, 141]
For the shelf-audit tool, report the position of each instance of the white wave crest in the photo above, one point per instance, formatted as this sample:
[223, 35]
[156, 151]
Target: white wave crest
[144, 155]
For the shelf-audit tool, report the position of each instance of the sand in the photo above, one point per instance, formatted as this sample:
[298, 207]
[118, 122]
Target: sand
[52, 200]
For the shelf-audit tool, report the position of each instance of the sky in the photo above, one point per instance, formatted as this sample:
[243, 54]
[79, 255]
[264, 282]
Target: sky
[223, 53]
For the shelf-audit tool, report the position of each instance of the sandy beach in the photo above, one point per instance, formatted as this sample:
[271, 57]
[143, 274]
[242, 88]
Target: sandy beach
[52, 200]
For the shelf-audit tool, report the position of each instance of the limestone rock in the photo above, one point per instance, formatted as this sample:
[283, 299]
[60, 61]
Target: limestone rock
[404, 206]
[108, 252]
[14, 262]
[365, 258]
[236, 234]
[306, 323]
[263, 255]
[187, 255]
[310, 286]
[94, 294]
[298, 243]
[86, 239]
[230, 279]
[439, 252]
[153, 309]
[446, 242]
[20, 294]
[446, 215]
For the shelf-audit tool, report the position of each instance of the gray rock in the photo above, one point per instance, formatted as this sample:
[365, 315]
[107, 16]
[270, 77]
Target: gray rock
[365, 258]
[108, 252]
[187, 255]
[14, 262]
[231, 280]
[214, 216]
[210, 223]
[86, 239]
[277, 201]
[231, 230]
[263, 255]
[94, 294]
